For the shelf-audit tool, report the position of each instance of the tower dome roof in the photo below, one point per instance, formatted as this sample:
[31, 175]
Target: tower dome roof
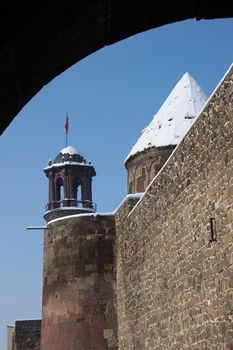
[69, 154]
[174, 118]
[70, 150]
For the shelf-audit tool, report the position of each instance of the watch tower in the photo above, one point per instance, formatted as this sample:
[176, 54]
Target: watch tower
[70, 179]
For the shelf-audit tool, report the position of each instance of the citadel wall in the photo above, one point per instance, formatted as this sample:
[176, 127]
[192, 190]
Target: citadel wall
[175, 285]
[10, 337]
[25, 335]
[79, 284]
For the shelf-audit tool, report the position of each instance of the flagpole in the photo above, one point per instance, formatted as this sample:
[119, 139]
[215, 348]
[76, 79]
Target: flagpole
[67, 127]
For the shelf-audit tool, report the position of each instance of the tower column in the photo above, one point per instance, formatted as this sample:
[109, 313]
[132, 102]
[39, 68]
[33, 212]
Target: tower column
[86, 191]
[79, 296]
[72, 188]
[66, 189]
[56, 194]
[78, 310]
[51, 192]
[66, 192]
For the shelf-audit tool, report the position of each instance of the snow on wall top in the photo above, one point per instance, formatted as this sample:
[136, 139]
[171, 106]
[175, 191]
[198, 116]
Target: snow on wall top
[61, 164]
[70, 150]
[174, 118]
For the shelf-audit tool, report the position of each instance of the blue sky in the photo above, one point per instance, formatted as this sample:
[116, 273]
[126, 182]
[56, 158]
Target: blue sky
[110, 97]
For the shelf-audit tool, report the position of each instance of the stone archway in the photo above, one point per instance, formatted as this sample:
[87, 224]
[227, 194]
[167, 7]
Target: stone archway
[40, 40]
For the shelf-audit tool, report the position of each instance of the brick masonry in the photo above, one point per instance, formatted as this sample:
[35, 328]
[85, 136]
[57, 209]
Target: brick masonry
[79, 284]
[174, 285]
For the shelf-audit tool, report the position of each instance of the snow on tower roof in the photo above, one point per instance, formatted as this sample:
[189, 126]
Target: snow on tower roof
[70, 150]
[68, 155]
[174, 118]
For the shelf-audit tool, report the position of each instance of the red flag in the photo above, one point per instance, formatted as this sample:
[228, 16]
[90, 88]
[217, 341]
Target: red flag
[67, 124]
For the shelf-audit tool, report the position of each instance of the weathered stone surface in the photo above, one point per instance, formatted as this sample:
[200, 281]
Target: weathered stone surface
[10, 337]
[27, 335]
[142, 167]
[174, 286]
[79, 284]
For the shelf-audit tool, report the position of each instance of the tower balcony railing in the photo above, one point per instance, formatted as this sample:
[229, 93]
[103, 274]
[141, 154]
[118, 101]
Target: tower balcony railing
[72, 202]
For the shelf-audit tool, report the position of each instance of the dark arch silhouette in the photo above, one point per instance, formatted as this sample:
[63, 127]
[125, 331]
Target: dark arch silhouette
[40, 39]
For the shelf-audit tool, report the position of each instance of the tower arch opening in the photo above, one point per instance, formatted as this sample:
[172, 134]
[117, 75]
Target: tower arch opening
[59, 191]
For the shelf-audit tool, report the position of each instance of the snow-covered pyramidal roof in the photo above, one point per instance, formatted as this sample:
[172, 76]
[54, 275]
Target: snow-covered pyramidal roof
[174, 118]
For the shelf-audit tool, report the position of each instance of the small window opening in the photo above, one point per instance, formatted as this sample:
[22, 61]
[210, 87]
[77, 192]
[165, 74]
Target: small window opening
[213, 231]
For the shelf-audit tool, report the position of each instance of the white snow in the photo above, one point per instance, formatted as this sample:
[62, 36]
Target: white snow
[28, 319]
[71, 208]
[137, 195]
[79, 215]
[55, 165]
[175, 116]
[70, 150]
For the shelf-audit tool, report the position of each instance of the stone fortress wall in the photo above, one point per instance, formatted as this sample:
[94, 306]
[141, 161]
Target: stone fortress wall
[24, 335]
[174, 281]
[157, 274]
[79, 284]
